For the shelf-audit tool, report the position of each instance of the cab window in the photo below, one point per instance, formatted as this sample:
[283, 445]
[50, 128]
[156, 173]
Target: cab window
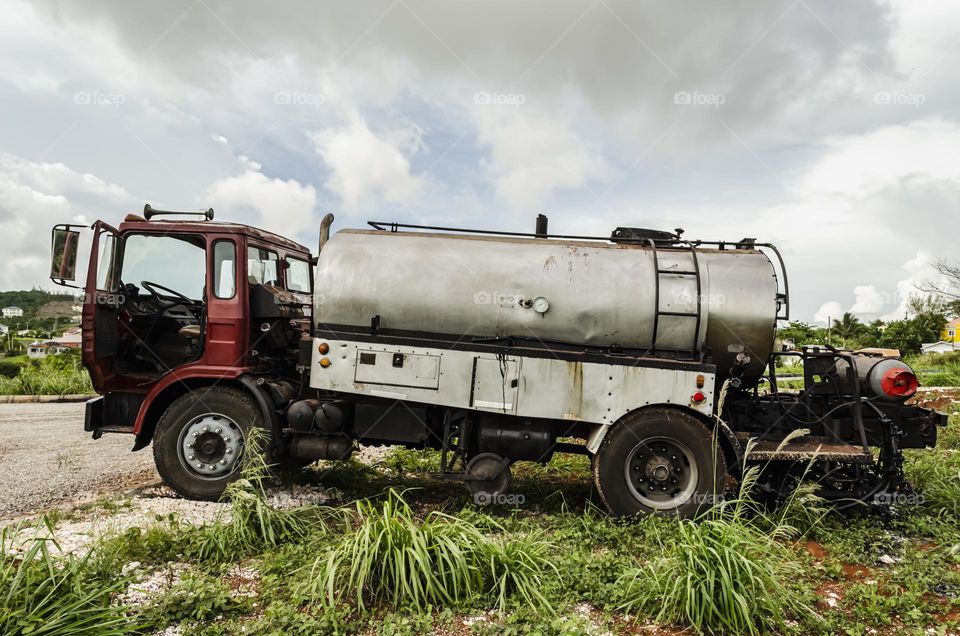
[224, 267]
[262, 266]
[177, 263]
[298, 275]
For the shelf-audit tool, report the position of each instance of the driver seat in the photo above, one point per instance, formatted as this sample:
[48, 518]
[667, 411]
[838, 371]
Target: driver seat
[190, 332]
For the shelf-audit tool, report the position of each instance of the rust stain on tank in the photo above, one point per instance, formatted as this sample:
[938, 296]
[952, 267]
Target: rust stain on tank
[550, 263]
[575, 378]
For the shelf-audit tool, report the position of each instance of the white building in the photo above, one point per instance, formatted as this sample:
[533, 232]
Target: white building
[940, 347]
[4, 329]
[12, 312]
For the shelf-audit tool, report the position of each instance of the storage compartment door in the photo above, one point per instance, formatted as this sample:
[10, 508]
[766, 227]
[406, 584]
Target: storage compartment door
[496, 384]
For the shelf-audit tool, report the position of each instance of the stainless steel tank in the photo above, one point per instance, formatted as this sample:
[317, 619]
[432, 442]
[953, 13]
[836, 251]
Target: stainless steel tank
[571, 291]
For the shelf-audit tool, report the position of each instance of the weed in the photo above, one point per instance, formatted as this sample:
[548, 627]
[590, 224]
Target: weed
[46, 596]
[394, 557]
[253, 522]
[195, 597]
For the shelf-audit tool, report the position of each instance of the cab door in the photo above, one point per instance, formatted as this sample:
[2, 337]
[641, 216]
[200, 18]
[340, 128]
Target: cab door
[102, 304]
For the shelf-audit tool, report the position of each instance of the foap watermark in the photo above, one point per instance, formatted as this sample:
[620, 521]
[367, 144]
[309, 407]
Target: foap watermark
[297, 98]
[688, 297]
[496, 98]
[497, 298]
[697, 98]
[498, 499]
[898, 499]
[97, 98]
[896, 98]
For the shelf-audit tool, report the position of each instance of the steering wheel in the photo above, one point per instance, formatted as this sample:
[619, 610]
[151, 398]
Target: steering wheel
[165, 302]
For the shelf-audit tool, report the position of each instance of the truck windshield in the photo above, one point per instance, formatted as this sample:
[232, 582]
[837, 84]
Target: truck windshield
[177, 263]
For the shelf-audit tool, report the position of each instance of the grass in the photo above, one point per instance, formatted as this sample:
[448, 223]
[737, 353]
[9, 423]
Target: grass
[54, 375]
[420, 558]
[731, 571]
[394, 557]
[44, 595]
[253, 524]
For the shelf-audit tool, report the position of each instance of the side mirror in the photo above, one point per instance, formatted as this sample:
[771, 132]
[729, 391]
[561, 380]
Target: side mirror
[63, 257]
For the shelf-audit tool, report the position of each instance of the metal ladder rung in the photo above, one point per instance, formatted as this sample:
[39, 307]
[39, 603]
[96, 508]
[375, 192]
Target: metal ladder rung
[678, 273]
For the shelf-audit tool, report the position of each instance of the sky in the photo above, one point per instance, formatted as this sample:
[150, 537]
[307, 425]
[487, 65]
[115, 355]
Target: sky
[831, 129]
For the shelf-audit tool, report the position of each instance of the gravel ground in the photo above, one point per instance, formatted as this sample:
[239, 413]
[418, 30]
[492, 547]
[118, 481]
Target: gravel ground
[46, 459]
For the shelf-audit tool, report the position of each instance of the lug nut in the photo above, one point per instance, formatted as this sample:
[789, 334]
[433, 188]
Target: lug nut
[229, 451]
[200, 466]
[226, 439]
[223, 462]
[206, 429]
[219, 430]
[192, 457]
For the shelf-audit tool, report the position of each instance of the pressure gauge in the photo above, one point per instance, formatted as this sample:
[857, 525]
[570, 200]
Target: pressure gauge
[540, 305]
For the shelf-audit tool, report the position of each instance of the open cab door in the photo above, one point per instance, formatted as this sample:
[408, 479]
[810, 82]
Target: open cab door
[101, 299]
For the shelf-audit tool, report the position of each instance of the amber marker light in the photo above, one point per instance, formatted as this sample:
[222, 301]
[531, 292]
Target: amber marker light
[324, 362]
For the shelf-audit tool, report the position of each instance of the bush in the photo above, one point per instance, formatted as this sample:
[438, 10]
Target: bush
[395, 558]
[61, 374]
[727, 572]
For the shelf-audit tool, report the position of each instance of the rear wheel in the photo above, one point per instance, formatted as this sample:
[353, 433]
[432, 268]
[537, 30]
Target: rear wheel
[659, 461]
[200, 440]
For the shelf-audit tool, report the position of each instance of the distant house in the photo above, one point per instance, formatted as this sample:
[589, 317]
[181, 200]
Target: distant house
[12, 312]
[951, 331]
[4, 329]
[940, 347]
[39, 349]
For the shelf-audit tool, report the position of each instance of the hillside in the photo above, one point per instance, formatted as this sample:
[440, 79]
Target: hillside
[40, 307]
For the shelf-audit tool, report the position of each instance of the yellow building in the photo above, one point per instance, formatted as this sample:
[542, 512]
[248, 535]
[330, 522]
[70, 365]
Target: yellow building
[951, 331]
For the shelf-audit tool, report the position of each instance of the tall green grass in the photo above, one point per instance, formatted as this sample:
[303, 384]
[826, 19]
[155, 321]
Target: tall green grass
[251, 523]
[393, 557]
[44, 595]
[730, 571]
[54, 375]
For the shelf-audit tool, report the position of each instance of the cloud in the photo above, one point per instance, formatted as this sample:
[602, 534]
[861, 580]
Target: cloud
[869, 300]
[533, 154]
[828, 310]
[365, 168]
[285, 207]
[34, 196]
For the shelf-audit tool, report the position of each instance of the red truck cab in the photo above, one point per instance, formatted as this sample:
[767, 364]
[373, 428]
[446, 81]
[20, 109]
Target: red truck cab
[192, 311]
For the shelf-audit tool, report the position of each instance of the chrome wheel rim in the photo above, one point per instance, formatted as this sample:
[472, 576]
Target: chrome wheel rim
[661, 473]
[210, 446]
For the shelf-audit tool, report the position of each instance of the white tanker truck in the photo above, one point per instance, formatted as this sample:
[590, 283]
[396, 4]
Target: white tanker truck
[644, 350]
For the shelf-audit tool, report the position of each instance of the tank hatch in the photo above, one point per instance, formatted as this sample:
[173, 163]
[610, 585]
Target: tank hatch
[641, 234]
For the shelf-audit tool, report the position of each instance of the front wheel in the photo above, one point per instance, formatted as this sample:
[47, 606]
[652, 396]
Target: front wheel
[659, 461]
[200, 440]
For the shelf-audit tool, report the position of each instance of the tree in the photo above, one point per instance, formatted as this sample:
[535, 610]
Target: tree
[848, 328]
[801, 333]
[907, 335]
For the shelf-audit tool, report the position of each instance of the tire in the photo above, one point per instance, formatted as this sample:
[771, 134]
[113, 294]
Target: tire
[675, 466]
[217, 421]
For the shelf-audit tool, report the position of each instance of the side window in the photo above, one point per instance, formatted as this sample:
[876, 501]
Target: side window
[224, 269]
[298, 275]
[105, 262]
[262, 266]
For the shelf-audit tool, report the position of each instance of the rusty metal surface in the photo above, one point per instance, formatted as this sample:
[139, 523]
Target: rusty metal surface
[806, 448]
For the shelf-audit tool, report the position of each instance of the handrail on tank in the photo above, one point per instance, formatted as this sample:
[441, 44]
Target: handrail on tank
[393, 226]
